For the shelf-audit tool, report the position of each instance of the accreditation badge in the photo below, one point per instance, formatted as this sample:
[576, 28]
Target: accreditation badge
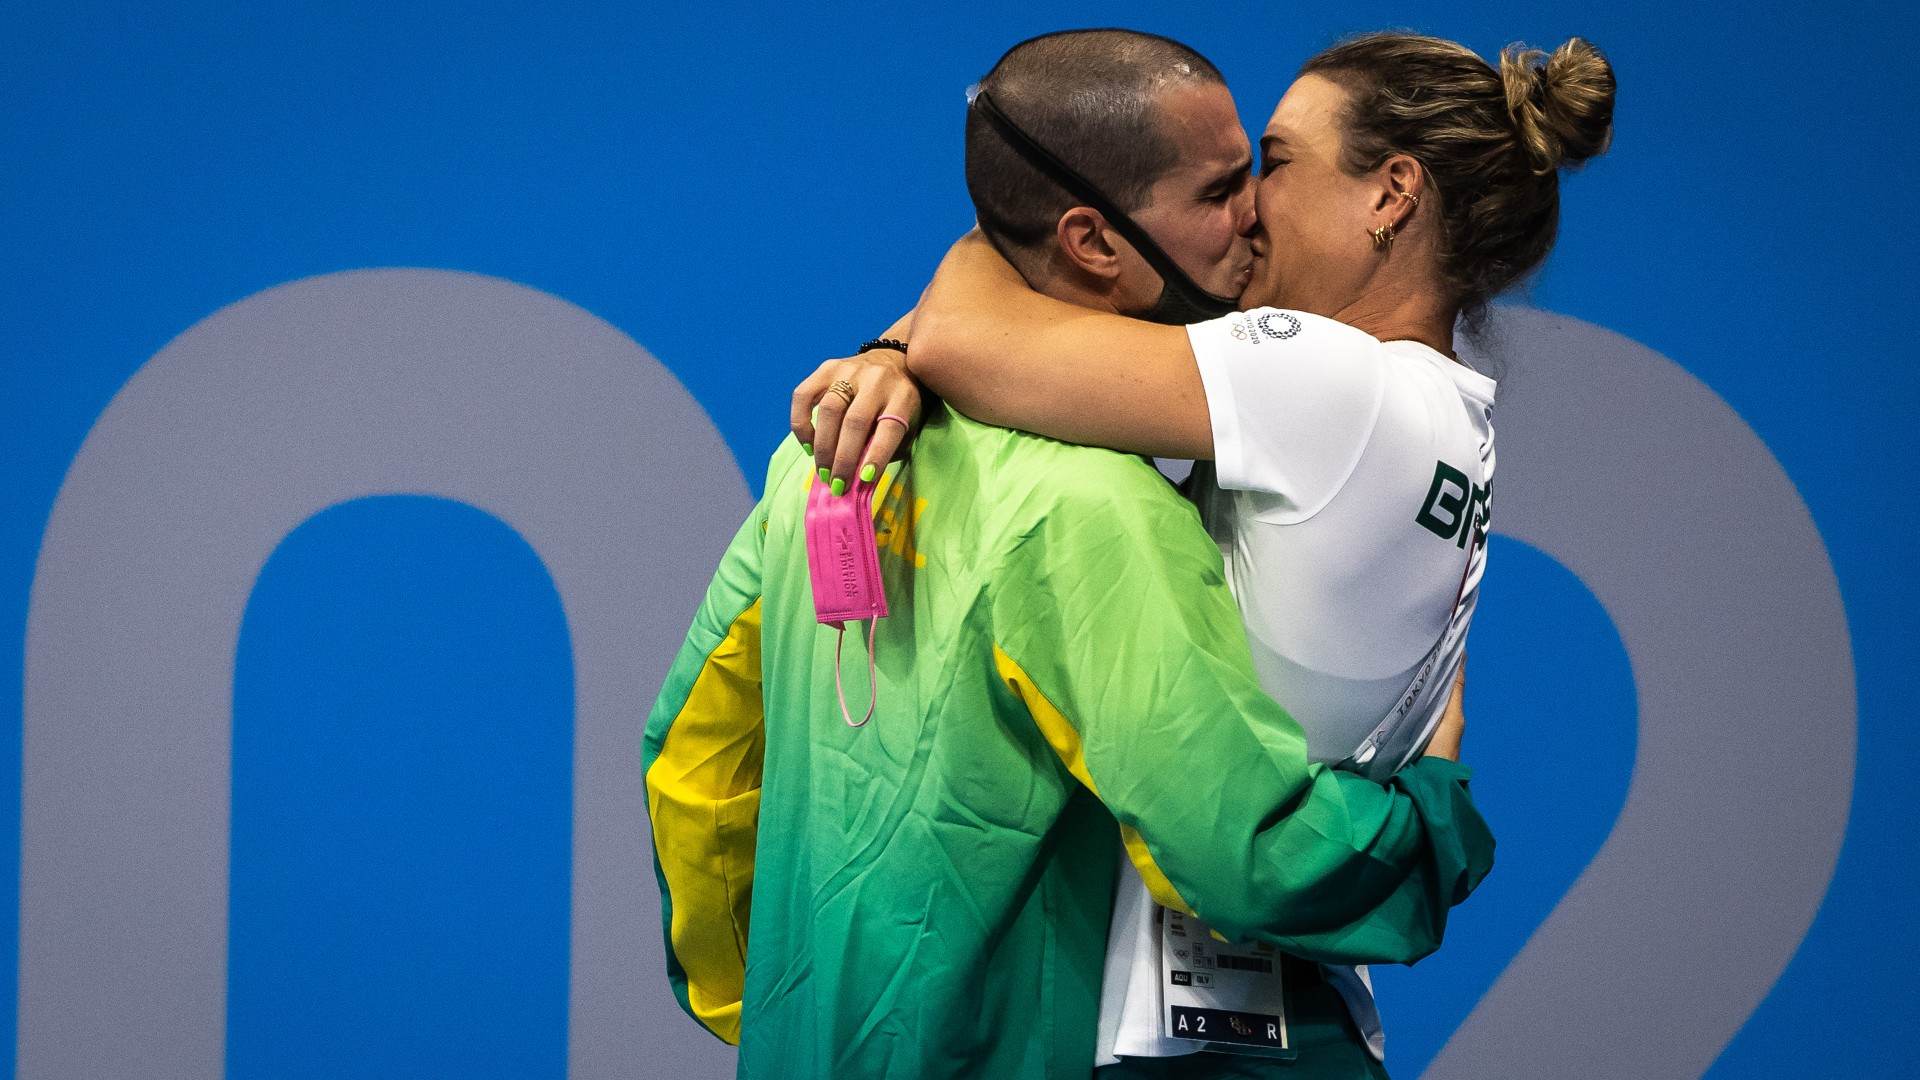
[1223, 997]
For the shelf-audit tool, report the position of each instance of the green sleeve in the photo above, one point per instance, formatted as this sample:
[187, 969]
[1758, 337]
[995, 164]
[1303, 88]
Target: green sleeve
[1114, 626]
[701, 757]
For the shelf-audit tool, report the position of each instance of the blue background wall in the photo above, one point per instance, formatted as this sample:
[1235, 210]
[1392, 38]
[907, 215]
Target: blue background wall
[746, 190]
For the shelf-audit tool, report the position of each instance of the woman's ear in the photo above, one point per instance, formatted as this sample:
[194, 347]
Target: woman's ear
[1401, 185]
[1087, 242]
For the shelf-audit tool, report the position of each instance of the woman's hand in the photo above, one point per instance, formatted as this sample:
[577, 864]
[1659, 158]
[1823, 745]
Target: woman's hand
[1453, 722]
[856, 437]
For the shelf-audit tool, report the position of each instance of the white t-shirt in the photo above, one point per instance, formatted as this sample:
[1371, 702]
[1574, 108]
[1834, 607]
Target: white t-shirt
[1349, 496]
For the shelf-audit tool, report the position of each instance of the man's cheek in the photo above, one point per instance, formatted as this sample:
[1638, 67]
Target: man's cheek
[1225, 231]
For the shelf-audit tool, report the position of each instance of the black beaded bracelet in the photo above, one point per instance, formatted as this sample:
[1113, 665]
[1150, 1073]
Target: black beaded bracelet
[883, 343]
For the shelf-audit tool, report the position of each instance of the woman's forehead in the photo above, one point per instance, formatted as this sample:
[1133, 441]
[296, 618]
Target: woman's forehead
[1308, 108]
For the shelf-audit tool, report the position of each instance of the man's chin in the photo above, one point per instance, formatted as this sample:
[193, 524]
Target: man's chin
[1263, 290]
[1256, 297]
[1237, 285]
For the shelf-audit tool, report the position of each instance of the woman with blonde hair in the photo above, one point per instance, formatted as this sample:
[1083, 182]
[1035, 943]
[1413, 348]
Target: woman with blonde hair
[1346, 453]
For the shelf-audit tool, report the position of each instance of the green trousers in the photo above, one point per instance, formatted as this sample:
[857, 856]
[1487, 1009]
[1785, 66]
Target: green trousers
[1318, 1027]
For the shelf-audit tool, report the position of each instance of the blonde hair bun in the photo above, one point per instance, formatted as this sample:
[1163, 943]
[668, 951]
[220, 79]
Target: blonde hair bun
[1562, 105]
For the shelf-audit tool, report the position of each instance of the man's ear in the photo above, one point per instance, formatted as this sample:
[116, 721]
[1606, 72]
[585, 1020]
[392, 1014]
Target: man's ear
[1088, 243]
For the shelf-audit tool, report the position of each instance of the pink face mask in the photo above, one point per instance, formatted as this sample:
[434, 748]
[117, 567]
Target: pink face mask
[844, 561]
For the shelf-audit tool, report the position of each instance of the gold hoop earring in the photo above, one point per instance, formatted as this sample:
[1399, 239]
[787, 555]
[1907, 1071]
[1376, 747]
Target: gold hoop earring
[1382, 238]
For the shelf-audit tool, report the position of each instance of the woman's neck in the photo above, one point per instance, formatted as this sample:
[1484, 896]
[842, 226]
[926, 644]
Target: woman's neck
[1399, 313]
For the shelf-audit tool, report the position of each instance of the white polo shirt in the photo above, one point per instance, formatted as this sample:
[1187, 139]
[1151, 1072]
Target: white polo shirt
[1349, 495]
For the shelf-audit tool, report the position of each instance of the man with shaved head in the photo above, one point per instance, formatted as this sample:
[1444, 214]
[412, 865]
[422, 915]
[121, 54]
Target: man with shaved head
[928, 894]
[1149, 126]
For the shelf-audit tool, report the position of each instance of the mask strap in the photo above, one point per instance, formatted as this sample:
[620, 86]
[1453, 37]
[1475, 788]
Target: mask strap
[840, 690]
[1028, 147]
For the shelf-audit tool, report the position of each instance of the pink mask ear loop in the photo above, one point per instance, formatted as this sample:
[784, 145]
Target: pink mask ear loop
[840, 690]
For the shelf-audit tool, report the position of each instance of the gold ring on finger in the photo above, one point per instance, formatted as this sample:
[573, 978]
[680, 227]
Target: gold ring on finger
[843, 388]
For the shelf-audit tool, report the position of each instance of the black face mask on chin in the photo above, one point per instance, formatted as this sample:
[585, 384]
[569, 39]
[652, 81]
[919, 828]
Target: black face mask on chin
[1182, 300]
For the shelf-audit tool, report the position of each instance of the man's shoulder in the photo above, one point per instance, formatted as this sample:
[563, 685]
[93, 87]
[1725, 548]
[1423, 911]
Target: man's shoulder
[787, 471]
[1054, 473]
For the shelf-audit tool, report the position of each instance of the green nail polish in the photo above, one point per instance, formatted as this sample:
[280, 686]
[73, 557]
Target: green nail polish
[808, 447]
[823, 476]
[866, 472]
[839, 486]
